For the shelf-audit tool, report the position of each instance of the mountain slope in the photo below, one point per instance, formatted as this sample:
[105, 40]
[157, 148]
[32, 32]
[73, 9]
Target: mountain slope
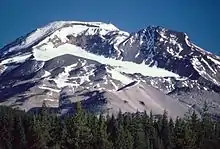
[108, 69]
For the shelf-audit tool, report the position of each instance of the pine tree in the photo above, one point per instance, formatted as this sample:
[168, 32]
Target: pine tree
[179, 133]
[139, 138]
[120, 142]
[112, 129]
[78, 133]
[171, 131]
[152, 131]
[55, 131]
[129, 141]
[101, 136]
[44, 130]
[40, 135]
[19, 137]
[40, 128]
[6, 128]
[189, 138]
[165, 132]
[207, 129]
[64, 140]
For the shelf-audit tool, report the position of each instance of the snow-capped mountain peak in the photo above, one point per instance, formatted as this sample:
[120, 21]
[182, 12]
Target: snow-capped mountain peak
[109, 68]
[77, 27]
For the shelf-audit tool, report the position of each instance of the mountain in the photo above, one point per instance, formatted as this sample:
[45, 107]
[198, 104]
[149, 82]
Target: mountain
[108, 70]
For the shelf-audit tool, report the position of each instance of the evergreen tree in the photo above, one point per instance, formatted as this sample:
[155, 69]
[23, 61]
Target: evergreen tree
[6, 128]
[44, 130]
[19, 137]
[129, 139]
[112, 129]
[165, 132]
[40, 135]
[171, 132]
[139, 139]
[179, 133]
[78, 133]
[40, 128]
[101, 136]
[55, 131]
[120, 142]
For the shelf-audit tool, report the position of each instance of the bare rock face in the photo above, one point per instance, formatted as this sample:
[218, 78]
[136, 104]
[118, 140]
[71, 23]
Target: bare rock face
[108, 69]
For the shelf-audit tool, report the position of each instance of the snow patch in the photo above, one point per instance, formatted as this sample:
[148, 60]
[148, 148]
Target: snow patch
[180, 48]
[214, 60]
[114, 85]
[187, 40]
[48, 88]
[121, 66]
[137, 54]
[118, 76]
[171, 51]
[17, 59]
[162, 34]
[37, 35]
[46, 74]
[48, 99]
[62, 78]
[201, 70]
[208, 66]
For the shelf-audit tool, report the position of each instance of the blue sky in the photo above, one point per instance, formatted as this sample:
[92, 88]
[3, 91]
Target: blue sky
[200, 19]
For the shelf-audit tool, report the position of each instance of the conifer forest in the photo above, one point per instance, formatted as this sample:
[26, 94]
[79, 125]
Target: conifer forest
[82, 130]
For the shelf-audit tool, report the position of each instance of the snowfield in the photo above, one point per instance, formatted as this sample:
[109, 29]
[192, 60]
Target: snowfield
[54, 26]
[122, 66]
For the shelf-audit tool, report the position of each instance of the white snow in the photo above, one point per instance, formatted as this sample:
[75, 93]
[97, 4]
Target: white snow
[187, 40]
[185, 84]
[116, 41]
[214, 60]
[76, 30]
[141, 41]
[173, 41]
[205, 88]
[46, 74]
[108, 26]
[131, 40]
[48, 99]
[39, 33]
[201, 70]
[161, 39]
[137, 54]
[62, 78]
[82, 78]
[182, 78]
[200, 49]
[180, 48]
[172, 36]
[118, 76]
[55, 26]
[119, 39]
[198, 66]
[175, 52]
[162, 34]
[121, 66]
[18, 59]
[171, 51]
[98, 85]
[115, 86]
[208, 66]
[48, 88]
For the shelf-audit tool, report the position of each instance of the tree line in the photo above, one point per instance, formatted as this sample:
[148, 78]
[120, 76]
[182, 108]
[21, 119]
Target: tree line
[82, 130]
